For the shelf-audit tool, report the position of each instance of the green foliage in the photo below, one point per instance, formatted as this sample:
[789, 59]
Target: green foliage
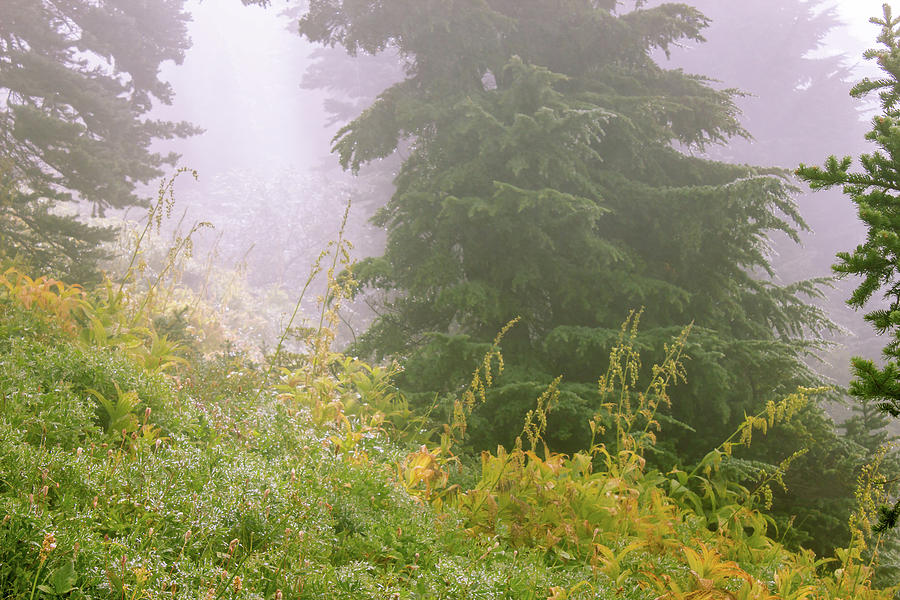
[58, 391]
[543, 182]
[877, 260]
[220, 490]
[645, 534]
[118, 481]
[78, 81]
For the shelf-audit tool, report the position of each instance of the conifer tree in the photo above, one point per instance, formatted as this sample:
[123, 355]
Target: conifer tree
[875, 191]
[543, 182]
[552, 174]
[77, 79]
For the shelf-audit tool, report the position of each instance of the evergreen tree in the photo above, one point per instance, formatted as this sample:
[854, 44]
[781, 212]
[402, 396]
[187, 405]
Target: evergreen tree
[874, 191]
[77, 79]
[544, 181]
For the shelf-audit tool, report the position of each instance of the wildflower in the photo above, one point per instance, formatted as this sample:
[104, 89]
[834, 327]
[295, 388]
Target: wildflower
[48, 545]
[141, 574]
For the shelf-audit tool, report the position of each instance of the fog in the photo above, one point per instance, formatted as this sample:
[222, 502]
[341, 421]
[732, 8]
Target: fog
[268, 181]
[241, 82]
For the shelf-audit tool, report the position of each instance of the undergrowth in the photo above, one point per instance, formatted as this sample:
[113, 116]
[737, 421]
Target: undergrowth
[133, 466]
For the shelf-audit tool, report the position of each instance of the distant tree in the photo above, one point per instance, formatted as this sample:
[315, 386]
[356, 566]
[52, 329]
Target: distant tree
[77, 79]
[876, 192]
[796, 89]
[793, 87]
[351, 82]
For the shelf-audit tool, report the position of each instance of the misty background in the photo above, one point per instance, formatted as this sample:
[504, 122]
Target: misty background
[260, 92]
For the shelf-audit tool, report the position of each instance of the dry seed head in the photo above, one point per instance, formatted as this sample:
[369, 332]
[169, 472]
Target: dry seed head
[232, 545]
[278, 595]
[187, 536]
[237, 584]
[45, 490]
[94, 502]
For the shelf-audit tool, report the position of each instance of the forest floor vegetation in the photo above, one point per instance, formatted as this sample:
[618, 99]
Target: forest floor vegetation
[134, 467]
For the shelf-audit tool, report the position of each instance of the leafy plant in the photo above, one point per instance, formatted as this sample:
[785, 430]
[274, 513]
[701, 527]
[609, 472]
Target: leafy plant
[119, 412]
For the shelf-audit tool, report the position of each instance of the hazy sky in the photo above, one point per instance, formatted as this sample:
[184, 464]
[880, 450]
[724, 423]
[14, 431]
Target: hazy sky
[241, 82]
[857, 14]
[859, 34]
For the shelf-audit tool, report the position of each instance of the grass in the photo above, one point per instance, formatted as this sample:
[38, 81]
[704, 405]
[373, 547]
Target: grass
[210, 495]
[121, 479]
